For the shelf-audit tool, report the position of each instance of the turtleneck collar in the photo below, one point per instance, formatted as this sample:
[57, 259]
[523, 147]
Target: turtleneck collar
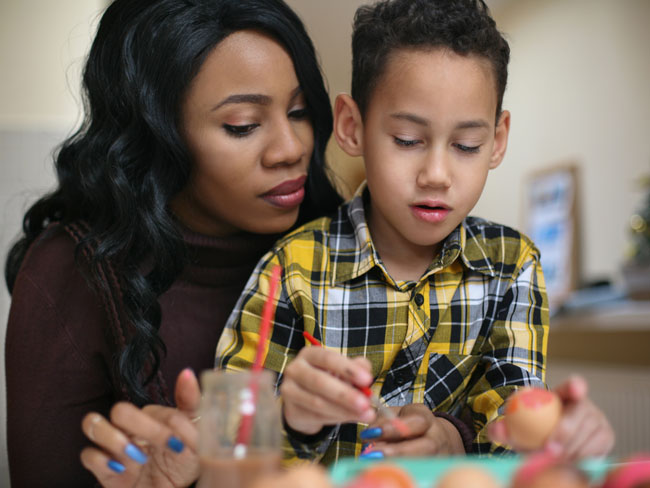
[217, 261]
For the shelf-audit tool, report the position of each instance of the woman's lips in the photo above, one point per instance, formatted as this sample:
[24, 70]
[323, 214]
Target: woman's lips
[287, 194]
[431, 212]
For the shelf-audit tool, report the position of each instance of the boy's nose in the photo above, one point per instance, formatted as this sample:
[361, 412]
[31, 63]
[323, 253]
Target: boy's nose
[284, 147]
[435, 171]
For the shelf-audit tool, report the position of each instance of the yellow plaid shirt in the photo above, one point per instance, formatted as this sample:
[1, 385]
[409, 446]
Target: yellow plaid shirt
[459, 340]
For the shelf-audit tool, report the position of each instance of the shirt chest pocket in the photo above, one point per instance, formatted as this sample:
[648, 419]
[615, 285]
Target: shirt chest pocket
[448, 379]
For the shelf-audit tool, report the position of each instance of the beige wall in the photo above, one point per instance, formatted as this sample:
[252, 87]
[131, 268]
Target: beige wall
[578, 91]
[42, 46]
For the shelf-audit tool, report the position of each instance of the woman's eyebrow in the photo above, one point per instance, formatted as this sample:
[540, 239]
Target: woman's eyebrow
[254, 98]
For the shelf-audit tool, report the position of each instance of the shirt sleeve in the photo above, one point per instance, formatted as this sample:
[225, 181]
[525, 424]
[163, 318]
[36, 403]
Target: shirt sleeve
[239, 343]
[514, 352]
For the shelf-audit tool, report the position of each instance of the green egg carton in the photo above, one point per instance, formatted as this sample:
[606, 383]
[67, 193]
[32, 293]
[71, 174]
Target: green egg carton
[426, 471]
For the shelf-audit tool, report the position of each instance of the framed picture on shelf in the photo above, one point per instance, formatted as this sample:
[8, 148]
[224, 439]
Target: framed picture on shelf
[551, 221]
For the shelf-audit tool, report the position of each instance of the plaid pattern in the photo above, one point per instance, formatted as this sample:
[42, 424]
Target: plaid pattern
[460, 340]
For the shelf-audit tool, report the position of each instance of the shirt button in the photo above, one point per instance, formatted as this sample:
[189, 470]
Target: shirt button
[419, 299]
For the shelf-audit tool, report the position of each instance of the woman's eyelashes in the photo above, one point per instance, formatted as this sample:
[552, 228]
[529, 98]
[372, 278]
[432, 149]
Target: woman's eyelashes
[243, 130]
[239, 130]
[299, 113]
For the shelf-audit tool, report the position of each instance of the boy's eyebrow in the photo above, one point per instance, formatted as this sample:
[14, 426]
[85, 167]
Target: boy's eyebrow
[254, 98]
[473, 124]
[416, 119]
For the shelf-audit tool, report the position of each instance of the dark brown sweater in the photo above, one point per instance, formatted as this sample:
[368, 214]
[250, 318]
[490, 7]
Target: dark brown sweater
[57, 358]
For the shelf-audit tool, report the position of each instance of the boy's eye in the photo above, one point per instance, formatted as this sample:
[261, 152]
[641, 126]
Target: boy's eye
[468, 149]
[406, 142]
[240, 130]
[298, 114]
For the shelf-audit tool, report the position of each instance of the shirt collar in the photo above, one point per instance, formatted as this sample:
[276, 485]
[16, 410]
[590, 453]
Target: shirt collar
[354, 254]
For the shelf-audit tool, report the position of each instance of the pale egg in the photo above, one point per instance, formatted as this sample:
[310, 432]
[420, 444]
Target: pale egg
[531, 414]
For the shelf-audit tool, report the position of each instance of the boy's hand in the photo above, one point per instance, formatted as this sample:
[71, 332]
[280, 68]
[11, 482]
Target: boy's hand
[583, 430]
[427, 435]
[319, 389]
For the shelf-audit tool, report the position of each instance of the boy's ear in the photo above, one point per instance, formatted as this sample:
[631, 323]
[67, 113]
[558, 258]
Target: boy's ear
[348, 125]
[500, 139]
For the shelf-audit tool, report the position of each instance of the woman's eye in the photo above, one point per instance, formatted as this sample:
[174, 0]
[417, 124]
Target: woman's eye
[468, 149]
[298, 114]
[406, 142]
[240, 130]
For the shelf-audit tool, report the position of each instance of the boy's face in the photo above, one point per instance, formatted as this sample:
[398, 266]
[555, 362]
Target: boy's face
[429, 138]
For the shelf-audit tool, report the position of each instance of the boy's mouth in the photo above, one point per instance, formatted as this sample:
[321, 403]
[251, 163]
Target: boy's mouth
[431, 212]
[432, 205]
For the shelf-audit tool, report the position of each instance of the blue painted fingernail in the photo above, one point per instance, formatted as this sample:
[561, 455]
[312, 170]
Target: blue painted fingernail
[136, 454]
[372, 455]
[371, 433]
[115, 466]
[175, 444]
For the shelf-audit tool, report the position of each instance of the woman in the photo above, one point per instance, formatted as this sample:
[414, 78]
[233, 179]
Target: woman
[204, 135]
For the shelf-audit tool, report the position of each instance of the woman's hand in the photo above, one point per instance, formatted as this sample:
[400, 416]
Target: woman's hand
[150, 447]
[583, 430]
[426, 434]
[318, 389]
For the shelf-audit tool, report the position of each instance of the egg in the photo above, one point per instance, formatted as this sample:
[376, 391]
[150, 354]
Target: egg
[467, 476]
[546, 471]
[531, 414]
[383, 475]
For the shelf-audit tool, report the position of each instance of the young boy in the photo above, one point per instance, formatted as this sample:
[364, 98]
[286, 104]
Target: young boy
[444, 315]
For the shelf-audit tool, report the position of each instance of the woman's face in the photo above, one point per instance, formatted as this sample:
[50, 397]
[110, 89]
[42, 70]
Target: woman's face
[245, 122]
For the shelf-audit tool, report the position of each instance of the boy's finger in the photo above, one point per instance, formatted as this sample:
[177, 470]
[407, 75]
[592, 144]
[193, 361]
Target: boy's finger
[571, 427]
[313, 405]
[573, 389]
[316, 377]
[497, 431]
[348, 369]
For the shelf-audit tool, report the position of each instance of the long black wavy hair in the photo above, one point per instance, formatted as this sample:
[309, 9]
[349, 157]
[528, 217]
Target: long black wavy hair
[120, 169]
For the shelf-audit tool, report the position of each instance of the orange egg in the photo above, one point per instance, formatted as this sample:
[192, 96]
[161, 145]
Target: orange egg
[383, 475]
[467, 476]
[546, 471]
[531, 414]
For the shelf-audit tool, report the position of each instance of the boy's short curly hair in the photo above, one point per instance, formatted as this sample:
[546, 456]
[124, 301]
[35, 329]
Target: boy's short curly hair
[463, 26]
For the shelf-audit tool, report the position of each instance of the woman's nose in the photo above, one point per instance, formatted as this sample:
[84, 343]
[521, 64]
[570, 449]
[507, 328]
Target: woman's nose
[286, 145]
